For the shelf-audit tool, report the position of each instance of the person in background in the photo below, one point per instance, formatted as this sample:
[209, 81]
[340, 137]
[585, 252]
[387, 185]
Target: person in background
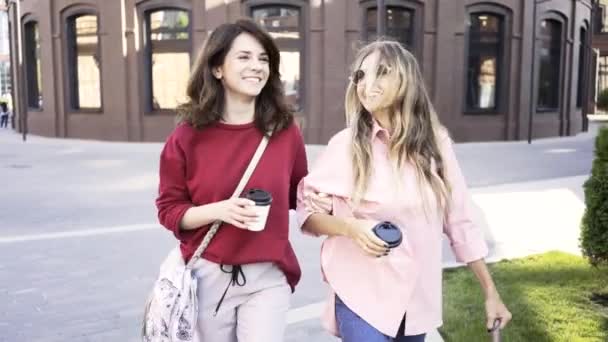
[4, 115]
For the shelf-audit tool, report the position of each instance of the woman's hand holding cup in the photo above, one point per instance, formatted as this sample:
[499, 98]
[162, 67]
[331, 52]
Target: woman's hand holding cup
[238, 212]
[360, 231]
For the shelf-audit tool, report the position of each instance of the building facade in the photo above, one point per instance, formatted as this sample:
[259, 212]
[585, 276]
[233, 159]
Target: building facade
[114, 70]
[600, 46]
[5, 69]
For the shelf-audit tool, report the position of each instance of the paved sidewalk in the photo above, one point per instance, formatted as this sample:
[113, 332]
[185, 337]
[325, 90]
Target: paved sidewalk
[81, 216]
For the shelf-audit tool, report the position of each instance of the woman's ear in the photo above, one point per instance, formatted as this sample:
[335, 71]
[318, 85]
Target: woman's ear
[217, 73]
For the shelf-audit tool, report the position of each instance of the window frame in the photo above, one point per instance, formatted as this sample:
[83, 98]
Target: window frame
[582, 81]
[558, 18]
[5, 78]
[4, 32]
[71, 84]
[301, 6]
[502, 91]
[145, 53]
[601, 26]
[27, 69]
[417, 9]
[411, 12]
[148, 48]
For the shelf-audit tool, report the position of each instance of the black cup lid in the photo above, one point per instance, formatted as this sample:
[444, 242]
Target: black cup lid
[389, 233]
[260, 197]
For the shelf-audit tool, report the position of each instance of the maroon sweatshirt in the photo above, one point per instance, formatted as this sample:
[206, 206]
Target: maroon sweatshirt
[204, 166]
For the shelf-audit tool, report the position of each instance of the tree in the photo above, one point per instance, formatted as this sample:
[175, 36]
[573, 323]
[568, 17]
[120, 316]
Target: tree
[594, 229]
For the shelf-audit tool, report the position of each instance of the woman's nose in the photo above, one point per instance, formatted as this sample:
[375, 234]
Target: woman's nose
[256, 64]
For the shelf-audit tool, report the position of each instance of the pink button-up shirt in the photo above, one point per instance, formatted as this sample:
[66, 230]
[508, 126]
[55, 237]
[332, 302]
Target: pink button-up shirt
[408, 280]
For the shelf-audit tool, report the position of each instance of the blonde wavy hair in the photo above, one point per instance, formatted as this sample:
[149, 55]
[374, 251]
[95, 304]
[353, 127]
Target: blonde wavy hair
[414, 122]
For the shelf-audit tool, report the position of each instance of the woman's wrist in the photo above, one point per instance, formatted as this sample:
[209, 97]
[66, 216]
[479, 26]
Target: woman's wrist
[490, 292]
[480, 269]
[200, 216]
[347, 226]
[211, 212]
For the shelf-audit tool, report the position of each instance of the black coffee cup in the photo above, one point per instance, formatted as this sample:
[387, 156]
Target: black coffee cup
[389, 233]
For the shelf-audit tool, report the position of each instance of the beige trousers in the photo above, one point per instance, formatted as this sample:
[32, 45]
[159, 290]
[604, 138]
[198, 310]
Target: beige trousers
[254, 312]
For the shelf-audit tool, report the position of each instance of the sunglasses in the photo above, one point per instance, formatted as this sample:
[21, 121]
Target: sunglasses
[359, 75]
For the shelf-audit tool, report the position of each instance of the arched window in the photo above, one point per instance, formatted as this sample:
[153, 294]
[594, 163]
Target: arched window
[403, 21]
[285, 25]
[550, 56]
[486, 40]
[167, 57]
[582, 57]
[399, 24]
[84, 61]
[33, 71]
[600, 19]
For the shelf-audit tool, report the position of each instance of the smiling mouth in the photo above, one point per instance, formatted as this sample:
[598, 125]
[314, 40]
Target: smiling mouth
[374, 96]
[253, 79]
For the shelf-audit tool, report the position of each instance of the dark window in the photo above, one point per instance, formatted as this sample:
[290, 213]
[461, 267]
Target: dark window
[601, 20]
[550, 52]
[602, 74]
[399, 24]
[84, 61]
[167, 57]
[485, 37]
[32, 65]
[284, 25]
[582, 56]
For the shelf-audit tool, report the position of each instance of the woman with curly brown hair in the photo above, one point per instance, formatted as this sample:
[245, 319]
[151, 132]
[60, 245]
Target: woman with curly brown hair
[245, 276]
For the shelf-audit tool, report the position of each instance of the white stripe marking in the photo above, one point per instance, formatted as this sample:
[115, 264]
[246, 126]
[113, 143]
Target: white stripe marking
[79, 233]
[305, 313]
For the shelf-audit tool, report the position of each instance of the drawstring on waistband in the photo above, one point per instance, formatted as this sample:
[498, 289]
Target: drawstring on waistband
[237, 279]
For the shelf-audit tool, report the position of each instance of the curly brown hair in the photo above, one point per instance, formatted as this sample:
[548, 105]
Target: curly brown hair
[206, 93]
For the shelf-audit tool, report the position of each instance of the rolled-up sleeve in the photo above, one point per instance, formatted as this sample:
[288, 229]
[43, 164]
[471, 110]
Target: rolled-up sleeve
[329, 176]
[305, 189]
[466, 239]
[304, 209]
[300, 169]
[173, 197]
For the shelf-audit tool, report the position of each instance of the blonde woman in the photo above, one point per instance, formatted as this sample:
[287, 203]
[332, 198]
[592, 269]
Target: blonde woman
[395, 163]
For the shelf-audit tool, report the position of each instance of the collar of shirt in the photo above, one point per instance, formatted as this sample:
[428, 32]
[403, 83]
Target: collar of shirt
[380, 133]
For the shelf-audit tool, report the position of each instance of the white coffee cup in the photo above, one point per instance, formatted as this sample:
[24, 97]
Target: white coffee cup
[262, 200]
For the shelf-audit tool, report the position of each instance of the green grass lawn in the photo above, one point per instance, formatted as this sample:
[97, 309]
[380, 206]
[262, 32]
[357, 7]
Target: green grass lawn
[549, 296]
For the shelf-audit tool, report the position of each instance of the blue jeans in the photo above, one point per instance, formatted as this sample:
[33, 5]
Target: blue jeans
[353, 328]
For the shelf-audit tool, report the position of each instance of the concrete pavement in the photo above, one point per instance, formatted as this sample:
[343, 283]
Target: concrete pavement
[80, 246]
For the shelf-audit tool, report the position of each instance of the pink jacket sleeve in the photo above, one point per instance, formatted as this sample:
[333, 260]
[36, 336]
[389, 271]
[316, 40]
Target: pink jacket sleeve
[466, 239]
[308, 185]
[300, 169]
[304, 209]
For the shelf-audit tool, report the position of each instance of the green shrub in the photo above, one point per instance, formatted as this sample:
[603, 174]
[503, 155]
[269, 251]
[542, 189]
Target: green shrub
[602, 100]
[594, 229]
